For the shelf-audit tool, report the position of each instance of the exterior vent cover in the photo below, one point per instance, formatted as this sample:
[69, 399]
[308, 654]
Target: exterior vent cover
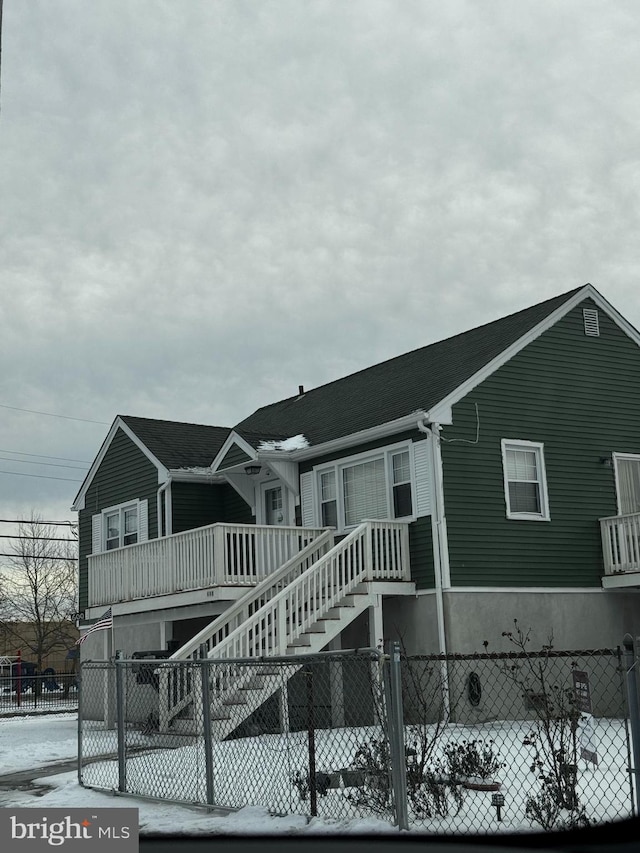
[591, 323]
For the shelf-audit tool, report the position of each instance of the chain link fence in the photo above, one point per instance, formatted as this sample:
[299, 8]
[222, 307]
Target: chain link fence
[443, 744]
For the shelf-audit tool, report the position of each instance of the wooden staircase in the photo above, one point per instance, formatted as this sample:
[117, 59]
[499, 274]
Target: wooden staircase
[298, 610]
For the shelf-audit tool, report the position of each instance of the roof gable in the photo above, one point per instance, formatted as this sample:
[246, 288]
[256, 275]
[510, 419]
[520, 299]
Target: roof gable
[169, 445]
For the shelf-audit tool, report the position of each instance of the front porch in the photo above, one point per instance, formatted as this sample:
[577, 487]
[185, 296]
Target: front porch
[621, 550]
[218, 555]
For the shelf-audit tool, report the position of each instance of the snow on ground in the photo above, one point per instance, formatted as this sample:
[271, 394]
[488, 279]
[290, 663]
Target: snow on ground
[37, 741]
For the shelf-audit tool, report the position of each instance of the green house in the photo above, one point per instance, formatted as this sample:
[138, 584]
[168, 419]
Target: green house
[431, 498]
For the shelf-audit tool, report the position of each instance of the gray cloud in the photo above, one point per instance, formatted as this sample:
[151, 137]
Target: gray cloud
[204, 205]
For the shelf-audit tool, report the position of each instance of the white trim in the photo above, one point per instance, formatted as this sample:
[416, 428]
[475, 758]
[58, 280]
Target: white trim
[621, 456]
[142, 515]
[538, 447]
[528, 589]
[231, 439]
[441, 412]
[385, 453]
[287, 508]
[118, 423]
[405, 423]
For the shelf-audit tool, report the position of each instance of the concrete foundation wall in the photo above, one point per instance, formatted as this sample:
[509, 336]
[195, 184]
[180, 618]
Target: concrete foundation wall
[412, 621]
[576, 619]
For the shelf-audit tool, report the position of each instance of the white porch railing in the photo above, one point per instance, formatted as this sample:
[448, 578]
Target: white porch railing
[216, 555]
[621, 543]
[376, 550]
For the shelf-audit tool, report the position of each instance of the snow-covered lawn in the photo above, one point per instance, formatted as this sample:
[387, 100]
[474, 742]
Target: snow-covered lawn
[36, 741]
[240, 768]
[259, 770]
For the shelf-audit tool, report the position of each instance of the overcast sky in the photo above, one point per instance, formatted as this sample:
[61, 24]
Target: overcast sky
[205, 204]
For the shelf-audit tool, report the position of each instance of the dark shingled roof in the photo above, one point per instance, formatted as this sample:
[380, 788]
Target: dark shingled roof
[178, 445]
[416, 380]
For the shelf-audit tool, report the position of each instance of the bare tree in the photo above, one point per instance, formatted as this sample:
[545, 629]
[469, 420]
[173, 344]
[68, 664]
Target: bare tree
[38, 590]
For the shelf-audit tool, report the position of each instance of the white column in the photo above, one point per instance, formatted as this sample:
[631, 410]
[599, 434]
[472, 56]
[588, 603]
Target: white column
[376, 628]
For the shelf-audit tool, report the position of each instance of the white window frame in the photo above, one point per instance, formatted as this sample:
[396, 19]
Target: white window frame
[121, 509]
[538, 448]
[337, 466]
[622, 457]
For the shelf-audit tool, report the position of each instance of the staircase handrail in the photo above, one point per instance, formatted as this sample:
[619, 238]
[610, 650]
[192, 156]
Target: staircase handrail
[240, 610]
[279, 610]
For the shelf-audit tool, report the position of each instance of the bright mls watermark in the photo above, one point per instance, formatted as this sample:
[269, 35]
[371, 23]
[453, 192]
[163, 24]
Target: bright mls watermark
[114, 830]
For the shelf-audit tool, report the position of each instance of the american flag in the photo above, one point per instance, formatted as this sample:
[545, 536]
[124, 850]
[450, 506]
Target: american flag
[104, 623]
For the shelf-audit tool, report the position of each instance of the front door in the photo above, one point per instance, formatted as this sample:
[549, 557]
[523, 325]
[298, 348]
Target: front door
[273, 502]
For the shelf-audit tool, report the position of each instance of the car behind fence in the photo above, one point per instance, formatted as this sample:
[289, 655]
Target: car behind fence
[446, 744]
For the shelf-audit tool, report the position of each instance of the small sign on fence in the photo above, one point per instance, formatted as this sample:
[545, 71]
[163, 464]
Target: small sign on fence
[582, 692]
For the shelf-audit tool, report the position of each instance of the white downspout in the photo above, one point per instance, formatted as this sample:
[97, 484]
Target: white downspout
[440, 551]
[167, 508]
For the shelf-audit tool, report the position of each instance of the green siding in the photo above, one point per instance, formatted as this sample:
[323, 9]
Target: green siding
[236, 509]
[195, 505]
[234, 456]
[124, 474]
[578, 395]
[421, 548]
[420, 538]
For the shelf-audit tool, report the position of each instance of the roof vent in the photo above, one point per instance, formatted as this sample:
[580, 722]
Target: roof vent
[591, 323]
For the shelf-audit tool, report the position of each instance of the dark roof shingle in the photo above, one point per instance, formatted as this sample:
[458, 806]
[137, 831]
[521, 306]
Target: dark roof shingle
[416, 380]
[178, 445]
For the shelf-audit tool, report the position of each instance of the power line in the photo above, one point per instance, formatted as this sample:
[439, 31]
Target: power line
[39, 538]
[36, 521]
[42, 476]
[51, 415]
[44, 456]
[48, 464]
[19, 556]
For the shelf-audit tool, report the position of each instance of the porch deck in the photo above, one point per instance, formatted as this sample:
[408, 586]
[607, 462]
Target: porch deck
[211, 556]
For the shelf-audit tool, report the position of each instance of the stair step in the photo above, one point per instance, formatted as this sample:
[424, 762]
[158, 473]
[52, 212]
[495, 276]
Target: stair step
[301, 641]
[316, 628]
[235, 700]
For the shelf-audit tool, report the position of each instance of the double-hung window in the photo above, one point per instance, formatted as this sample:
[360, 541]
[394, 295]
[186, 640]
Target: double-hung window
[525, 484]
[377, 486]
[117, 526]
[121, 527]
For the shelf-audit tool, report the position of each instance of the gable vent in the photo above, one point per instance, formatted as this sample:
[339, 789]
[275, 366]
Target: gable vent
[591, 323]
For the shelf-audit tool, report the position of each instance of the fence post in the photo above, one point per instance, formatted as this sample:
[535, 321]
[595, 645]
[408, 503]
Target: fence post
[311, 744]
[80, 715]
[120, 713]
[396, 739]
[205, 664]
[634, 714]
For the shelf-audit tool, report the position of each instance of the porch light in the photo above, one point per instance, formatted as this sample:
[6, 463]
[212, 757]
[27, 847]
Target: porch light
[252, 470]
[607, 461]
